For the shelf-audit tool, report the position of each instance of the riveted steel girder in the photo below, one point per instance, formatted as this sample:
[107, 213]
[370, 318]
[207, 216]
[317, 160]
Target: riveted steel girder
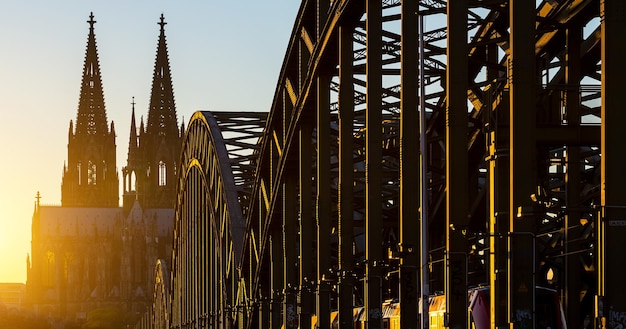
[611, 306]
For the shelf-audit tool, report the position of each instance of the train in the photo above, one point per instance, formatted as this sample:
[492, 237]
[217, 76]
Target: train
[548, 311]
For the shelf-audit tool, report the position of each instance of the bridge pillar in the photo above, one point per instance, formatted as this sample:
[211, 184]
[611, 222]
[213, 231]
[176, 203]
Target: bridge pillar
[457, 190]
[290, 254]
[307, 227]
[323, 179]
[498, 178]
[373, 166]
[611, 306]
[346, 177]
[409, 160]
[322, 209]
[573, 277]
[276, 303]
[523, 163]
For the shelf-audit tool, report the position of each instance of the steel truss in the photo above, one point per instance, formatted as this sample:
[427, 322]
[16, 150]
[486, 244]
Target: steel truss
[522, 170]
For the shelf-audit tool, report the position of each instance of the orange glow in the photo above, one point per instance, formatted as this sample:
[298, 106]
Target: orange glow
[42, 56]
[14, 237]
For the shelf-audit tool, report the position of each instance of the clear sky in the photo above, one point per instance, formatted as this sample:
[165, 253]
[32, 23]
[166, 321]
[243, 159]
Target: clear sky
[224, 55]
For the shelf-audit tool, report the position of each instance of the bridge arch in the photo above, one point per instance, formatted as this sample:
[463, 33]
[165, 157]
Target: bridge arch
[209, 225]
[161, 301]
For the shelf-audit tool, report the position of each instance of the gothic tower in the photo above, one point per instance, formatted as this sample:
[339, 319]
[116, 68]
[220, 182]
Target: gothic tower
[90, 175]
[150, 175]
[134, 165]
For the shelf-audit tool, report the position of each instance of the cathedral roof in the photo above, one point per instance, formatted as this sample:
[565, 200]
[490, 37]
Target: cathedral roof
[57, 221]
[163, 219]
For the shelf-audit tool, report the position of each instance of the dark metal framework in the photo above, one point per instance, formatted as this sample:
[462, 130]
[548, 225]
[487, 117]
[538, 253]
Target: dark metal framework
[517, 100]
[215, 182]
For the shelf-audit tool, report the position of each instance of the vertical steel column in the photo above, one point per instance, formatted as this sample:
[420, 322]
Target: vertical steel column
[456, 165]
[497, 145]
[215, 278]
[424, 200]
[264, 292]
[290, 256]
[346, 177]
[264, 305]
[322, 209]
[305, 294]
[307, 226]
[196, 250]
[322, 198]
[186, 256]
[611, 284]
[201, 260]
[276, 263]
[522, 217]
[179, 279]
[498, 228]
[572, 273]
[409, 176]
[373, 165]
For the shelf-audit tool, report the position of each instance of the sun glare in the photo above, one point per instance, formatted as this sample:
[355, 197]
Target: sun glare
[11, 246]
[15, 222]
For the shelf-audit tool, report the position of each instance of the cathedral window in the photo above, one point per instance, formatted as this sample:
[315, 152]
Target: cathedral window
[91, 173]
[49, 270]
[133, 181]
[162, 173]
[104, 170]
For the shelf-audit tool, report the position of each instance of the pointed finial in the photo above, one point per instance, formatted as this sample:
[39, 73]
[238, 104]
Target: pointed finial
[162, 22]
[38, 197]
[91, 21]
[133, 103]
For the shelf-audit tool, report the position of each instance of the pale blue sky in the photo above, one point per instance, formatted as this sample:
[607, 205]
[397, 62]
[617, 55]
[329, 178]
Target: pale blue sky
[224, 55]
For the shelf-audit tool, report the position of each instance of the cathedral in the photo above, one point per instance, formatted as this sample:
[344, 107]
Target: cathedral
[90, 253]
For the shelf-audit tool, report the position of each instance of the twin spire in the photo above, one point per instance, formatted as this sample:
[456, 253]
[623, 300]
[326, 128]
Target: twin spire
[90, 177]
[92, 118]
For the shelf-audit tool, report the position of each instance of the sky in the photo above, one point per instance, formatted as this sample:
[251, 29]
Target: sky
[224, 55]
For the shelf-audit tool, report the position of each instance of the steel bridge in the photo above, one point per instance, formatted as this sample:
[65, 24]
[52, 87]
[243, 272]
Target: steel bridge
[412, 147]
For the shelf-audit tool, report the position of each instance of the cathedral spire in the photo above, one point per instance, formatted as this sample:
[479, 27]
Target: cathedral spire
[133, 164]
[92, 119]
[90, 178]
[160, 140]
[162, 119]
[132, 143]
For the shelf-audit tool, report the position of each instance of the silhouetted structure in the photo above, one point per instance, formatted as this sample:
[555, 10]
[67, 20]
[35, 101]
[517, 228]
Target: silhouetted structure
[90, 177]
[90, 253]
[153, 154]
[516, 180]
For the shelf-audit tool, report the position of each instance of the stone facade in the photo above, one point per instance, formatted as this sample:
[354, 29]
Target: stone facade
[90, 253]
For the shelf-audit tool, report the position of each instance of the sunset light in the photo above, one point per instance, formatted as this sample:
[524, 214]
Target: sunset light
[43, 49]
[318, 164]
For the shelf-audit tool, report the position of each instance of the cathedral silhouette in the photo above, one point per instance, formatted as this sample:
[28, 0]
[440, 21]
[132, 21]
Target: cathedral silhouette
[90, 253]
